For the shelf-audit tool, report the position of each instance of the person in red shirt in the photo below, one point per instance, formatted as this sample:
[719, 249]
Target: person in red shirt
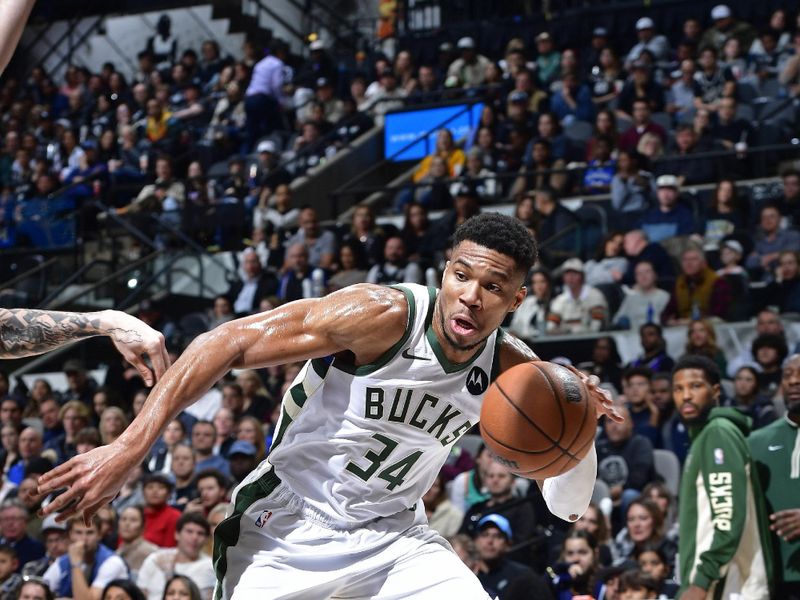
[160, 519]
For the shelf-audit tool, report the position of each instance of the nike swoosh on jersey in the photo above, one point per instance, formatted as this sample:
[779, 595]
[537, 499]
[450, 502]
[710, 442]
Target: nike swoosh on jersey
[774, 448]
[409, 356]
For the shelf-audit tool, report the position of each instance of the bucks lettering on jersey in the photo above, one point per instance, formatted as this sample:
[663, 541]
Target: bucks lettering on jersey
[365, 442]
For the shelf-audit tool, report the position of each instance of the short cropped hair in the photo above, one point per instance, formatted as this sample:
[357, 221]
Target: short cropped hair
[193, 517]
[501, 233]
[637, 372]
[703, 363]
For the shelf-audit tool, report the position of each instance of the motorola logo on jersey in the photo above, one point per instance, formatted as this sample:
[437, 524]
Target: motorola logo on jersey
[477, 381]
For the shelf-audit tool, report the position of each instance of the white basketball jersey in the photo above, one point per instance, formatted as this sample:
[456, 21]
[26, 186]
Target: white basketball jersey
[363, 442]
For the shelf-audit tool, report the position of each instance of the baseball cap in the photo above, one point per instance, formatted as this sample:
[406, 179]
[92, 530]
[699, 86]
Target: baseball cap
[720, 11]
[242, 447]
[645, 23]
[317, 45]
[73, 365]
[667, 181]
[323, 81]
[495, 520]
[543, 36]
[518, 96]
[50, 524]
[600, 32]
[572, 264]
[734, 245]
[445, 47]
[266, 146]
[466, 43]
[89, 145]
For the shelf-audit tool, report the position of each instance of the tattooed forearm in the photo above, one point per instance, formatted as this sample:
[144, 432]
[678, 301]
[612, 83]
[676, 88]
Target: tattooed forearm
[25, 332]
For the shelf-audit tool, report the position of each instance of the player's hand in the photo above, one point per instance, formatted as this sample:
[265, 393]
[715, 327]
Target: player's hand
[134, 340]
[604, 405]
[92, 480]
[786, 523]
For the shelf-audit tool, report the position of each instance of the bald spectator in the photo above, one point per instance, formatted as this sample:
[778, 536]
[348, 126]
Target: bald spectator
[321, 244]
[699, 292]
[256, 284]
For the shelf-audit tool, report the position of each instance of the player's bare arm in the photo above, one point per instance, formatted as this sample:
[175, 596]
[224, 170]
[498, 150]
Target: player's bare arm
[514, 351]
[25, 332]
[364, 320]
[13, 16]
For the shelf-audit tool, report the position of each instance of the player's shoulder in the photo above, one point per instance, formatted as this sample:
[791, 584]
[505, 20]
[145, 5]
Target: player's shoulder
[362, 303]
[512, 351]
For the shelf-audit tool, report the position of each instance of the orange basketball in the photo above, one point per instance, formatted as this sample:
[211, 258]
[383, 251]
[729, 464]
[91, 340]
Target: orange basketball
[538, 419]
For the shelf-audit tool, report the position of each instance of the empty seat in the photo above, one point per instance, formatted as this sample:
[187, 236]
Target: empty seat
[668, 467]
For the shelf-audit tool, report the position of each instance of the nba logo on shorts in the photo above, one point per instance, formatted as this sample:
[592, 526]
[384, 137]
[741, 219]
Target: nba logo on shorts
[263, 518]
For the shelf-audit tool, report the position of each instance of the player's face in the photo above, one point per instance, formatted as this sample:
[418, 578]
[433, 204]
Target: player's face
[479, 287]
[693, 395]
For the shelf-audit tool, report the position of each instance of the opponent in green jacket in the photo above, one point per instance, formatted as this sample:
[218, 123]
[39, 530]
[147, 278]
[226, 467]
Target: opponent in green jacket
[723, 546]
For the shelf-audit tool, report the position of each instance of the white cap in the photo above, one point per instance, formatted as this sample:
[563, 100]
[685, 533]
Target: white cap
[571, 264]
[668, 181]
[466, 43]
[317, 45]
[266, 146]
[720, 11]
[50, 523]
[734, 245]
[645, 23]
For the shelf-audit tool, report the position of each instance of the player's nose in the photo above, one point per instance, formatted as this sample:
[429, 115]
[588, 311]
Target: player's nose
[470, 294]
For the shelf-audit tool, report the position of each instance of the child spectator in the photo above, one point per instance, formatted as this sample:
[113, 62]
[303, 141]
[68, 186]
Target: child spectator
[10, 580]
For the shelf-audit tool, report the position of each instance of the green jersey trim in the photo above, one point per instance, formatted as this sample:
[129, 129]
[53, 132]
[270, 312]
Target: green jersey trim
[384, 358]
[446, 364]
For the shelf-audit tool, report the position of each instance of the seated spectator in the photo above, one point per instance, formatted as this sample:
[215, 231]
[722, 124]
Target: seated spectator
[186, 559]
[166, 196]
[605, 362]
[609, 263]
[204, 436]
[183, 469]
[714, 82]
[599, 172]
[469, 70]
[321, 244]
[446, 149]
[548, 128]
[642, 123]
[669, 218]
[748, 399]
[112, 423]
[56, 543]
[701, 340]
[30, 447]
[632, 189]
[644, 302]
[159, 516]
[768, 320]
[594, 522]
[469, 487]
[161, 455]
[580, 308]
[655, 357]
[544, 171]
[465, 206]
[732, 57]
[228, 120]
[133, 548]
[625, 460]
[640, 86]
[731, 255]
[726, 213]
[636, 584]
[644, 526]
[605, 126]
[74, 416]
[770, 351]
[432, 190]
[681, 94]
[724, 27]
[789, 201]
[13, 521]
[89, 566]
[606, 75]
[299, 279]
[682, 162]
[416, 234]
[572, 101]
[223, 422]
[353, 266]
[364, 231]
[246, 294]
[770, 242]
[790, 73]
[699, 292]
[530, 318]
[212, 488]
[728, 129]
[555, 220]
[783, 292]
[270, 175]
[395, 268]
[33, 589]
[477, 176]
[494, 569]
[649, 40]
[525, 82]
[499, 483]
[576, 573]
[548, 60]
[638, 392]
[309, 149]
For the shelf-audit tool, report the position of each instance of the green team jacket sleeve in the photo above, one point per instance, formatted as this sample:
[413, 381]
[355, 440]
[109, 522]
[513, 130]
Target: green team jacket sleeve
[723, 460]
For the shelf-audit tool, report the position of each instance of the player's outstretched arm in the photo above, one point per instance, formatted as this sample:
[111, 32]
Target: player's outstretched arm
[26, 332]
[364, 319]
[13, 16]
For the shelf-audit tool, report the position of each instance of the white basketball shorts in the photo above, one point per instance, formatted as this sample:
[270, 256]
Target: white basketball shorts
[276, 547]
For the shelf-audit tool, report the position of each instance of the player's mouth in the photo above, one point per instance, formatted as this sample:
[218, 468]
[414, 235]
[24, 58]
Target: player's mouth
[463, 326]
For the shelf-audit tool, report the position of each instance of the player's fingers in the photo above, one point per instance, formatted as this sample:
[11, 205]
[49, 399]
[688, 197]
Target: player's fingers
[159, 357]
[64, 506]
[593, 381]
[55, 479]
[144, 370]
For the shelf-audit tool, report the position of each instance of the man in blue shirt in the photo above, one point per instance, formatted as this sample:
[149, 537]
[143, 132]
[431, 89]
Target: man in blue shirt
[264, 95]
[669, 218]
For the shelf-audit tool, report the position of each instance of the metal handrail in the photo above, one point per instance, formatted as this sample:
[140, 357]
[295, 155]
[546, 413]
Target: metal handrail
[23, 276]
[281, 20]
[72, 279]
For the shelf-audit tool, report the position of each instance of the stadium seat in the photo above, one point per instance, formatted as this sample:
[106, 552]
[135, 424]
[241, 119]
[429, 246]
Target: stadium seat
[668, 468]
[746, 92]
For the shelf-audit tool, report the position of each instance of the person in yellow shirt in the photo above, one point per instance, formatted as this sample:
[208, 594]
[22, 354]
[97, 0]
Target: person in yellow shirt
[157, 121]
[445, 148]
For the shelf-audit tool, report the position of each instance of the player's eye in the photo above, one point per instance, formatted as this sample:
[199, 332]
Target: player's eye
[460, 276]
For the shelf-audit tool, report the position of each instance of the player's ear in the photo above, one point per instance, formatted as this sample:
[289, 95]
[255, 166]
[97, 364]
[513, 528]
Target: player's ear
[519, 297]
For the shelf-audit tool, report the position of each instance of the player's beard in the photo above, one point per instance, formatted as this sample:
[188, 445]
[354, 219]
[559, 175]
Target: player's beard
[451, 341]
[700, 419]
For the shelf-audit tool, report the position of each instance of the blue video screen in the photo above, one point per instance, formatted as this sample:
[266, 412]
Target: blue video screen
[405, 131]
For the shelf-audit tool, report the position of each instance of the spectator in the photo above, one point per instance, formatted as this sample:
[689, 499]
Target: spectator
[655, 356]
[786, 289]
[719, 457]
[600, 169]
[544, 171]
[702, 341]
[161, 456]
[593, 521]
[299, 280]
[625, 460]
[364, 231]
[714, 82]
[468, 488]
[609, 264]
[165, 197]
[88, 566]
[56, 543]
[396, 268]
[790, 73]
[771, 241]
[469, 70]
[159, 517]
[352, 266]
[30, 447]
[242, 458]
[112, 423]
[725, 27]
[204, 436]
[575, 575]
[10, 580]
[726, 213]
[682, 160]
[767, 321]
[548, 60]
[789, 201]
[383, 95]
[669, 218]
[133, 548]
[632, 188]
[444, 517]
[122, 589]
[251, 430]
[74, 416]
[183, 469]
[579, 308]
[770, 351]
[770, 448]
[642, 123]
[654, 562]
[530, 318]
[681, 94]
[640, 86]
[636, 386]
[13, 521]
[644, 526]
[212, 488]
[33, 589]
[321, 244]
[223, 422]
[185, 559]
[635, 584]
[644, 303]
[264, 95]
[699, 292]
[494, 569]
[446, 148]
[730, 130]
[10, 451]
[656, 44]
[181, 586]
[256, 400]
[477, 176]
[605, 363]
[80, 386]
[749, 400]
[556, 219]
[572, 101]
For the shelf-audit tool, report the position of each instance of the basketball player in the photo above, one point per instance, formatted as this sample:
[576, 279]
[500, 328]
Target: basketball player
[395, 375]
[27, 332]
[13, 16]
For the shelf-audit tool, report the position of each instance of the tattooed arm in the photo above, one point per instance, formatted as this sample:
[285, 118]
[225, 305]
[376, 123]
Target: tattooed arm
[25, 332]
[13, 16]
